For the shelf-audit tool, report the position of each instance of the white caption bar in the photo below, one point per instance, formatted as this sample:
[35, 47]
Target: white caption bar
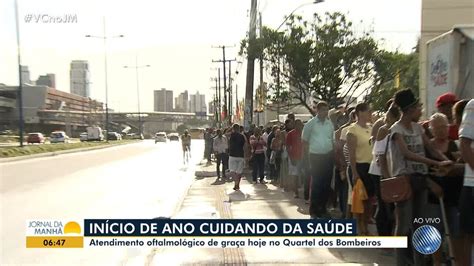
[248, 242]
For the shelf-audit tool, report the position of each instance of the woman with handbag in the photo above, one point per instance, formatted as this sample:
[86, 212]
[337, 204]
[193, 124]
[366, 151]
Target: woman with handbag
[407, 145]
[384, 214]
[257, 144]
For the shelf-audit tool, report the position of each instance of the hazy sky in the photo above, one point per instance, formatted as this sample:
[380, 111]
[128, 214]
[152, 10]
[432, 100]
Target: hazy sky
[174, 37]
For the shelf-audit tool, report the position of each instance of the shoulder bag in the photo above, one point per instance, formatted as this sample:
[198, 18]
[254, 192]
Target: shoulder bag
[395, 189]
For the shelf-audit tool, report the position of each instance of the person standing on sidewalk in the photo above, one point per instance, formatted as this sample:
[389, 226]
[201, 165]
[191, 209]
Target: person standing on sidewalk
[360, 157]
[220, 147]
[208, 145]
[275, 156]
[294, 147]
[318, 141]
[407, 146]
[285, 184]
[270, 138]
[257, 144]
[384, 218]
[466, 135]
[236, 155]
[341, 162]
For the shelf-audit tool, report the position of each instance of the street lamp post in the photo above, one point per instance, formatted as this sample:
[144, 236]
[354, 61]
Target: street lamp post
[105, 37]
[21, 123]
[302, 5]
[136, 67]
[278, 72]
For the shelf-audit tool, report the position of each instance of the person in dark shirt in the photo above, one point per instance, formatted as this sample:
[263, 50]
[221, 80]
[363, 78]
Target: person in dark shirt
[236, 155]
[208, 140]
[271, 136]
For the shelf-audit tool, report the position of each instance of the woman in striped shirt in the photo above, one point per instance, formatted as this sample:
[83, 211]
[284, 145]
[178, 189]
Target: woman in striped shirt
[258, 144]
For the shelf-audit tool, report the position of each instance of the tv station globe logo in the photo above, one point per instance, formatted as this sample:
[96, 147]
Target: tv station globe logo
[426, 239]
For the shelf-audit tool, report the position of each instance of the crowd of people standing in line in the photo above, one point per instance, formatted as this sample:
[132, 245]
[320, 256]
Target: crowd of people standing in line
[340, 159]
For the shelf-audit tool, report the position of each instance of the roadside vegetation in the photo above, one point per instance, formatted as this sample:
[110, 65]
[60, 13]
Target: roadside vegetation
[30, 149]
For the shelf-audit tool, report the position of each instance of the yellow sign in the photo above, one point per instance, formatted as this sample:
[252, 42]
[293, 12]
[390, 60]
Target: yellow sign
[54, 241]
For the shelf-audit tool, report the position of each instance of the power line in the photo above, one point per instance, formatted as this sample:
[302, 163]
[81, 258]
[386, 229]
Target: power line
[227, 91]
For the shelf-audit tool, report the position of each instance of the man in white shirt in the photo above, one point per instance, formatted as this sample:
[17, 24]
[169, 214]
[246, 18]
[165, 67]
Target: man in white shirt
[466, 134]
[220, 147]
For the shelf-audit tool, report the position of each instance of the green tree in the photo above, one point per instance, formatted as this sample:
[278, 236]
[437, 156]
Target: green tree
[390, 66]
[317, 59]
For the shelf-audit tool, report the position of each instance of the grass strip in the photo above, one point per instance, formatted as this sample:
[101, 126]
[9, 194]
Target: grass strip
[30, 149]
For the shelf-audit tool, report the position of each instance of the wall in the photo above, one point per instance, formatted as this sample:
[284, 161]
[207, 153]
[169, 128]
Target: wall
[437, 18]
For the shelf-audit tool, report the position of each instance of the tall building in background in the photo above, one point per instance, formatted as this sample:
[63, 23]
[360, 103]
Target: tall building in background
[47, 80]
[25, 75]
[438, 17]
[182, 102]
[212, 108]
[198, 104]
[163, 100]
[79, 78]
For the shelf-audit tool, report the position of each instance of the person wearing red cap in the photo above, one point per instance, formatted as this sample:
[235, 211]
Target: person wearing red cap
[444, 104]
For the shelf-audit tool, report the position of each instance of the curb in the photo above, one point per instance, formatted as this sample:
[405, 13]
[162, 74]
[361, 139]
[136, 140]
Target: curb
[151, 254]
[55, 153]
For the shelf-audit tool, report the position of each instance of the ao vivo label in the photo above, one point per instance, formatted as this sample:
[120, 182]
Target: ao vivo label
[427, 220]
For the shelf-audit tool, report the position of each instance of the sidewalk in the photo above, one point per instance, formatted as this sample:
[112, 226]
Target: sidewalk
[207, 199]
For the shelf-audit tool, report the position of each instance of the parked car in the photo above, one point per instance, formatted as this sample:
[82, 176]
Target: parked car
[6, 132]
[35, 138]
[135, 136]
[114, 136]
[160, 137]
[58, 136]
[173, 137]
[95, 133]
[83, 136]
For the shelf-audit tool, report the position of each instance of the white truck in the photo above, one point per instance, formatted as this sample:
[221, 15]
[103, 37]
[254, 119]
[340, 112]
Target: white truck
[94, 133]
[450, 65]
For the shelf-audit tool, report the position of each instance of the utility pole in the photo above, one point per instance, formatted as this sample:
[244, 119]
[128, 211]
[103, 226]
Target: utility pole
[216, 103]
[261, 74]
[105, 37]
[230, 90]
[224, 61]
[278, 91]
[136, 67]
[237, 100]
[248, 113]
[221, 107]
[20, 81]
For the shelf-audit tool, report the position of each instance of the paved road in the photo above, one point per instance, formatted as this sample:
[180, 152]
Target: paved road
[142, 180]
